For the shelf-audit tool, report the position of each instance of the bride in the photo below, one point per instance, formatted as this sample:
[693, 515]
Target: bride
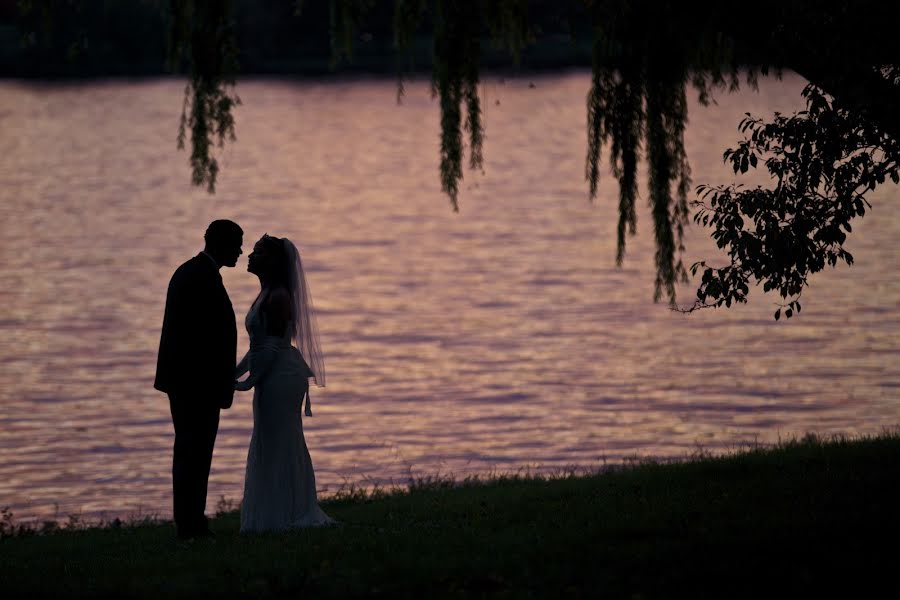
[280, 485]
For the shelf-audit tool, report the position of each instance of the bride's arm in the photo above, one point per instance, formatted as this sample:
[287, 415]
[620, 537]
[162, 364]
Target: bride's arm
[259, 359]
[261, 355]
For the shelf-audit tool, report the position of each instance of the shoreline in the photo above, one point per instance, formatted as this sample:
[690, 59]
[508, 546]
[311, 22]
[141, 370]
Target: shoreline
[807, 518]
[36, 523]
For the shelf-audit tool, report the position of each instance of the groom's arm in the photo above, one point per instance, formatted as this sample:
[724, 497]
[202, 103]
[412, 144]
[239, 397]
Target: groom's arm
[197, 344]
[243, 366]
[171, 360]
[219, 338]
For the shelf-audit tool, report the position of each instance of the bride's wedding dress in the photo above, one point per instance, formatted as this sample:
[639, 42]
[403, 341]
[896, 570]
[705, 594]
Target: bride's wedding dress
[280, 485]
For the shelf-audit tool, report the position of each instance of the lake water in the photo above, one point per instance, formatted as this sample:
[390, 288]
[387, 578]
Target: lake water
[496, 339]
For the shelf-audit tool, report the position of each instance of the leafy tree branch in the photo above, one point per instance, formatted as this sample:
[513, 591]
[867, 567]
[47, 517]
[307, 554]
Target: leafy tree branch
[823, 161]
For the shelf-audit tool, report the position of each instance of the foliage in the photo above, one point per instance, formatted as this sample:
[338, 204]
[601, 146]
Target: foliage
[458, 31]
[75, 37]
[642, 69]
[202, 34]
[43, 19]
[455, 82]
[637, 104]
[823, 161]
[626, 106]
[637, 92]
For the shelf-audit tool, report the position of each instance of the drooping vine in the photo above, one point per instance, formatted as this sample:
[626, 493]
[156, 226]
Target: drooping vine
[626, 105]
[668, 167]
[509, 25]
[457, 29]
[202, 35]
[636, 104]
[638, 94]
[408, 16]
[455, 82]
[626, 118]
[615, 113]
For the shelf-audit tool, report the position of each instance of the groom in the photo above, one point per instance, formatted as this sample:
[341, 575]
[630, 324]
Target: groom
[195, 367]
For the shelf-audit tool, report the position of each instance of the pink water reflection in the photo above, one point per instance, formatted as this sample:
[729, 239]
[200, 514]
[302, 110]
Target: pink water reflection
[498, 338]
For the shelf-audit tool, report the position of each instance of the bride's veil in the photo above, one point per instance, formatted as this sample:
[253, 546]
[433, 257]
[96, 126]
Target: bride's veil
[305, 335]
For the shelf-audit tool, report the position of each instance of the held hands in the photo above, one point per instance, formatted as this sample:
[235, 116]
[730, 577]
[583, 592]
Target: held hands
[257, 361]
[242, 367]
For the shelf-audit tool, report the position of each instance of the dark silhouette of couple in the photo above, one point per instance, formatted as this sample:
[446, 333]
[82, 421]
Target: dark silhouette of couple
[196, 368]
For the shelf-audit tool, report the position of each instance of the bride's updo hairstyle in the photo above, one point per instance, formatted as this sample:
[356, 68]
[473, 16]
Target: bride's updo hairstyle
[278, 267]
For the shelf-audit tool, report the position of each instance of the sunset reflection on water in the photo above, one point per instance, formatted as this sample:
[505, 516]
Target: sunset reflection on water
[499, 338]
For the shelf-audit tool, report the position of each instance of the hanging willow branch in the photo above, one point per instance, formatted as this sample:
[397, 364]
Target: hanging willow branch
[638, 93]
[508, 22]
[457, 46]
[626, 103]
[202, 34]
[626, 130]
[636, 104]
[407, 19]
[616, 115]
[344, 19]
[668, 166]
[455, 74]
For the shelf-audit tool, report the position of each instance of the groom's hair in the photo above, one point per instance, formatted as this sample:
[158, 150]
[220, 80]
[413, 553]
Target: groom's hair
[222, 231]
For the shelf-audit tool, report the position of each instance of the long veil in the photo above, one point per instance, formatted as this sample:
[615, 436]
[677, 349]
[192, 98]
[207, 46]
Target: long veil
[305, 335]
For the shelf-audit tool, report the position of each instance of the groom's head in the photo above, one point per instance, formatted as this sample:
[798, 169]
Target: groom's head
[223, 241]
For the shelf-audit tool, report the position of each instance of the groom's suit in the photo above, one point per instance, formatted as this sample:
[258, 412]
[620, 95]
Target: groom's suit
[195, 367]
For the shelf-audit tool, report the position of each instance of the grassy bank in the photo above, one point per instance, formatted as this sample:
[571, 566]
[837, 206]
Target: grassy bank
[806, 518]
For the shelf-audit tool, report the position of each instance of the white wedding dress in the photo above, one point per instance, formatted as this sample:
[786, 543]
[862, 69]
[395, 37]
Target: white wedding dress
[280, 485]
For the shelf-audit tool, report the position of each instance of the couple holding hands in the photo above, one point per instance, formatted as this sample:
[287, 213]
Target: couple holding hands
[196, 368]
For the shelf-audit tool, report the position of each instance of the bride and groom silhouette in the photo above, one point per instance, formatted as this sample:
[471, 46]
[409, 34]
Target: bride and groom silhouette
[196, 368]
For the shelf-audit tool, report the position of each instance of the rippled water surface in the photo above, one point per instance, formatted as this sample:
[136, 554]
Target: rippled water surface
[497, 338]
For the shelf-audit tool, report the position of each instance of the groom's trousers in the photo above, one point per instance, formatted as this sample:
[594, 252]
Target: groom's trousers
[196, 421]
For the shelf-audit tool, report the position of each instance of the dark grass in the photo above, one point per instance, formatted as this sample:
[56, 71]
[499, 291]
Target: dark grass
[808, 518]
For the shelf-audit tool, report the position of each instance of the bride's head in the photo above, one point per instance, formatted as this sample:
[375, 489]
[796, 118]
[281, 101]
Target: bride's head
[269, 261]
